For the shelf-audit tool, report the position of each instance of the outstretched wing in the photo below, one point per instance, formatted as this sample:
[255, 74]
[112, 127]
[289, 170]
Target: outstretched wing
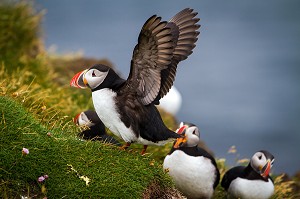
[161, 46]
[151, 55]
[184, 24]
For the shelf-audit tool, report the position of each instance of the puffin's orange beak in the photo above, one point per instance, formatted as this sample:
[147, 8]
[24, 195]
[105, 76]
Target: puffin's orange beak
[78, 80]
[75, 120]
[179, 142]
[266, 169]
[182, 140]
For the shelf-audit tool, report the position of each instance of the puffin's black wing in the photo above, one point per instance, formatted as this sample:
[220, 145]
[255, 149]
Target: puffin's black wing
[151, 55]
[183, 27]
[232, 174]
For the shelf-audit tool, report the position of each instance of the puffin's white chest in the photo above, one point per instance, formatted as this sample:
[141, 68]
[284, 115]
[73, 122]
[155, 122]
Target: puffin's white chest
[251, 189]
[105, 107]
[193, 176]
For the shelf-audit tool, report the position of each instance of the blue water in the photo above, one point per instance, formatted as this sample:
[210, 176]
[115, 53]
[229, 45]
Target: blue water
[241, 85]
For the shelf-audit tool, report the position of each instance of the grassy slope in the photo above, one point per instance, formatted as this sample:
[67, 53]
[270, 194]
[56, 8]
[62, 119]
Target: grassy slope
[112, 172]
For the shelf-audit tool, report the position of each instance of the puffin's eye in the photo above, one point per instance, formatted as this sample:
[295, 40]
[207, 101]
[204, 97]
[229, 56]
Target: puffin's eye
[194, 132]
[259, 157]
[93, 74]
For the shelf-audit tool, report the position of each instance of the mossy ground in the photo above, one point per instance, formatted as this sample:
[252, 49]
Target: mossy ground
[36, 110]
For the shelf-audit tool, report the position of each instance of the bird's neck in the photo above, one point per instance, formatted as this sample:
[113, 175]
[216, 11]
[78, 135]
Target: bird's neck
[253, 175]
[113, 81]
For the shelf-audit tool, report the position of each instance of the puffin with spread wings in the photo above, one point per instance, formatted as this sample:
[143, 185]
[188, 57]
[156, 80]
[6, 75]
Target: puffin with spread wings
[127, 107]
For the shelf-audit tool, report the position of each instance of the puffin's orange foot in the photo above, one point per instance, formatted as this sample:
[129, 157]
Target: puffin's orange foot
[125, 146]
[144, 150]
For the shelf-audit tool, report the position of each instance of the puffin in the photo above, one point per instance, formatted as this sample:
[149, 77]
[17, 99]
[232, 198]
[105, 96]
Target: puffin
[171, 103]
[253, 180]
[128, 107]
[96, 129]
[192, 168]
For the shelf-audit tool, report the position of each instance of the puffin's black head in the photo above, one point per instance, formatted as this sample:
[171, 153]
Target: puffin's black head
[190, 133]
[262, 162]
[97, 77]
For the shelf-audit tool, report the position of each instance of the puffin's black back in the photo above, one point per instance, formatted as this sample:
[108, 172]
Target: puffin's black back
[197, 151]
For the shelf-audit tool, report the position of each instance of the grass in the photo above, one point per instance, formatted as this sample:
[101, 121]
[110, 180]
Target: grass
[112, 172]
[36, 110]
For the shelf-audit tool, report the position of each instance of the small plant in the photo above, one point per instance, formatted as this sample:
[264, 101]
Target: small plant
[25, 151]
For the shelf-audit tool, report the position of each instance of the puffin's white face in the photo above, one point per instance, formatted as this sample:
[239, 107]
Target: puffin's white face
[193, 136]
[83, 120]
[94, 77]
[261, 164]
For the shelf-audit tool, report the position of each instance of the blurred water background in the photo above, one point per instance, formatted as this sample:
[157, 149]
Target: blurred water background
[241, 85]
